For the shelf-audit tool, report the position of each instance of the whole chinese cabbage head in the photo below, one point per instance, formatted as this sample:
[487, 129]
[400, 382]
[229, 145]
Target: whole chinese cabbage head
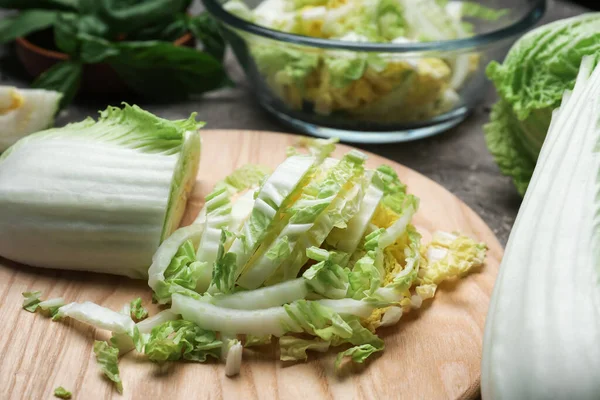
[530, 83]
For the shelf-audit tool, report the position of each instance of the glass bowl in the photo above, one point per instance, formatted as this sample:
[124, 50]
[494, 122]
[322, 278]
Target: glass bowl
[422, 89]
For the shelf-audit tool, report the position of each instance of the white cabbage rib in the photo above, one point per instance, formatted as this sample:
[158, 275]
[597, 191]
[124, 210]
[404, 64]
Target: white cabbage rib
[274, 192]
[347, 240]
[98, 316]
[265, 297]
[233, 362]
[269, 321]
[543, 326]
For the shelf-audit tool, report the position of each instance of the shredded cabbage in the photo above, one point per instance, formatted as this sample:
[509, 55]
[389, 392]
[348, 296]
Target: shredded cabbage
[322, 253]
[381, 88]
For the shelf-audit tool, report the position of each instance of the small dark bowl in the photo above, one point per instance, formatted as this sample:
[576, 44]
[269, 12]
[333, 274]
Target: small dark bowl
[99, 78]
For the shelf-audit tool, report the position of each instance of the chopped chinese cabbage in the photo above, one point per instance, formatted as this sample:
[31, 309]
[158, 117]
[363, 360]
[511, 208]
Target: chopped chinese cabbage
[265, 297]
[97, 316]
[51, 306]
[174, 268]
[449, 255]
[314, 200]
[292, 348]
[347, 240]
[107, 358]
[341, 254]
[31, 300]
[270, 321]
[276, 191]
[218, 214]
[379, 87]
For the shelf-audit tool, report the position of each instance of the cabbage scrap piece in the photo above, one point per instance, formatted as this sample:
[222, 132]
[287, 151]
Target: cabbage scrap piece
[137, 310]
[180, 339]
[292, 348]
[447, 256]
[107, 358]
[233, 360]
[62, 393]
[277, 192]
[31, 300]
[97, 316]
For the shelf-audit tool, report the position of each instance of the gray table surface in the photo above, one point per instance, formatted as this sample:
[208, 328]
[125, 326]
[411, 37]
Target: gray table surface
[457, 159]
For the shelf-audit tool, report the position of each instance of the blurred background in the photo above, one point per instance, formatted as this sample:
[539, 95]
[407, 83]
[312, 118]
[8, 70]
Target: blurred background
[459, 159]
[593, 4]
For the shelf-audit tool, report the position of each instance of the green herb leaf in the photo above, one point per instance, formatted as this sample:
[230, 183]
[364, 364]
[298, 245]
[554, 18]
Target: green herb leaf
[62, 393]
[69, 29]
[70, 5]
[64, 77]
[126, 17]
[206, 29]
[107, 358]
[65, 33]
[175, 72]
[168, 31]
[93, 25]
[25, 23]
[96, 50]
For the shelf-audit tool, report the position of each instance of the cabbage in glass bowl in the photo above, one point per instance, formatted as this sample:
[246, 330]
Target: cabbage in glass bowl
[370, 70]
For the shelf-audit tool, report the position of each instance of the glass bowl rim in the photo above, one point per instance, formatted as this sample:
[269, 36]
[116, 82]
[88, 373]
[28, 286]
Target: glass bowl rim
[522, 25]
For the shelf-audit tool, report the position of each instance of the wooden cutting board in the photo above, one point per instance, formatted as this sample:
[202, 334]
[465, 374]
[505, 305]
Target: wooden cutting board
[433, 353]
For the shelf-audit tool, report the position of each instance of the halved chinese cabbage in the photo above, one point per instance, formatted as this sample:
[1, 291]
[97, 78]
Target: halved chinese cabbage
[97, 195]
